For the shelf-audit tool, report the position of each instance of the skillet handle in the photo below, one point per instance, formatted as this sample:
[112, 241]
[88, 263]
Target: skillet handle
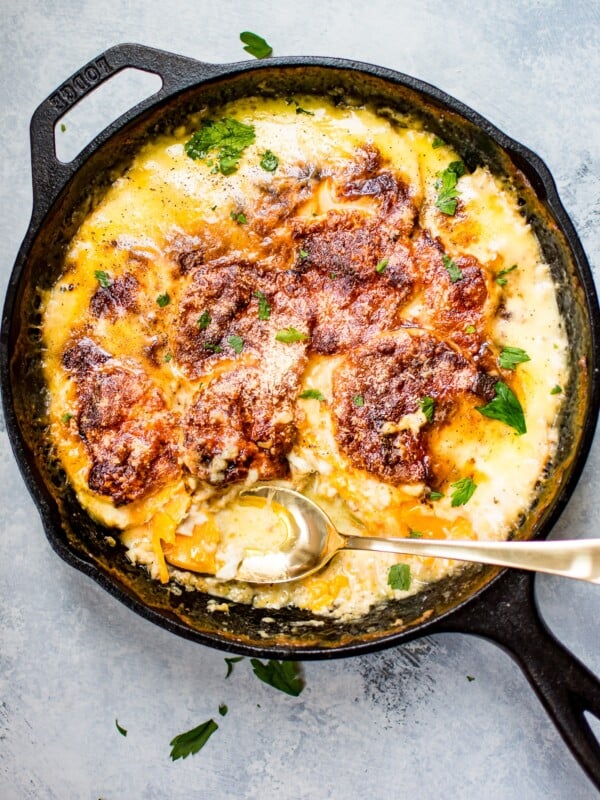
[507, 614]
[49, 174]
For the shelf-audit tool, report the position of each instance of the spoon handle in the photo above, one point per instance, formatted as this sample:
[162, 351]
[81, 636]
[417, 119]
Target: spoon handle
[575, 558]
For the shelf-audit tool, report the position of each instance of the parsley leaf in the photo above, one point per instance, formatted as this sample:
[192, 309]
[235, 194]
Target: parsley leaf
[454, 271]
[381, 265]
[358, 400]
[264, 309]
[470, 329]
[427, 405]
[303, 254]
[188, 743]
[300, 110]
[228, 137]
[214, 348]
[103, 278]
[556, 389]
[240, 218]
[464, 489]
[312, 394]
[435, 495]
[399, 577]
[289, 335]
[282, 675]
[446, 201]
[255, 45]
[163, 300]
[237, 343]
[437, 142]
[223, 709]
[63, 127]
[204, 320]
[470, 678]
[122, 731]
[412, 534]
[230, 662]
[168, 357]
[511, 356]
[500, 279]
[506, 408]
[66, 417]
[269, 162]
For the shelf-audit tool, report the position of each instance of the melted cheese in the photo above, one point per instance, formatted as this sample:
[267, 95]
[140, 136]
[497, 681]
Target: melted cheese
[165, 198]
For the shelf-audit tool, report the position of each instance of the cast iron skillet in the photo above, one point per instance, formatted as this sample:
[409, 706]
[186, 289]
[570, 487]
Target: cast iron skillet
[499, 605]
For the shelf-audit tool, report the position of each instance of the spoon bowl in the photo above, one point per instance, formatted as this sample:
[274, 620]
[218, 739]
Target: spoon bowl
[313, 541]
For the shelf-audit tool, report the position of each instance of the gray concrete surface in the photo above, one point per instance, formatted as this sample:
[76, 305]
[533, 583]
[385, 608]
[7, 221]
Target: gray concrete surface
[403, 723]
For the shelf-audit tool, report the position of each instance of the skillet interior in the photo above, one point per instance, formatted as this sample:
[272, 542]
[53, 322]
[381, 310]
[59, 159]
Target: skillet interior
[290, 631]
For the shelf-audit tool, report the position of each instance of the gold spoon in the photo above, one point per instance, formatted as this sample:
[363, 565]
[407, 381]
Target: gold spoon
[313, 541]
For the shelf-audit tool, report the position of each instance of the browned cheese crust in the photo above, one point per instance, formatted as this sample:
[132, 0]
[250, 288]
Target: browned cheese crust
[345, 277]
[123, 420]
[392, 375]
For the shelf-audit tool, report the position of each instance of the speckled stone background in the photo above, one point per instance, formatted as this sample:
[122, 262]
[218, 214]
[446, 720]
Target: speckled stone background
[402, 723]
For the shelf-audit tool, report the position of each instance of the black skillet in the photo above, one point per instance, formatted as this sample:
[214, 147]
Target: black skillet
[498, 605]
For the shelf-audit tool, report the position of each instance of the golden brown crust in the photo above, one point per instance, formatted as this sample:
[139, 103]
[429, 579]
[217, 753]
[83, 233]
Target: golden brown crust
[243, 420]
[119, 297]
[123, 420]
[391, 376]
[336, 273]
[345, 276]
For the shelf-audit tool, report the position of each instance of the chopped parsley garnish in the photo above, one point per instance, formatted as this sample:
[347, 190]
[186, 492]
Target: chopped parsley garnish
[227, 136]
[186, 744]
[333, 275]
[214, 348]
[454, 271]
[66, 418]
[303, 254]
[168, 357]
[63, 127]
[255, 45]
[230, 662]
[240, 217]
[511, 356]
[163, 300]
[470, 678]
[358, 400]
[412, 534]
[282, 675]
[264, 309]
[204, 320]
[556, 390]
[500, 279]
[300, 110]
[437, 142]
[446, 200]
[237, 343]
[289, 335]
[506, 408]
[223, 709]
[120, 728]
[399, 577]
[427, 405]
[103, 278]
[381, 265]
[435, 495]
[269, 161]
[470, 329]
[312, 394]
[464, 489]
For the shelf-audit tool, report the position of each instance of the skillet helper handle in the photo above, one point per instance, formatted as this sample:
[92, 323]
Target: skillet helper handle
[507, 614]
[49, 174]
